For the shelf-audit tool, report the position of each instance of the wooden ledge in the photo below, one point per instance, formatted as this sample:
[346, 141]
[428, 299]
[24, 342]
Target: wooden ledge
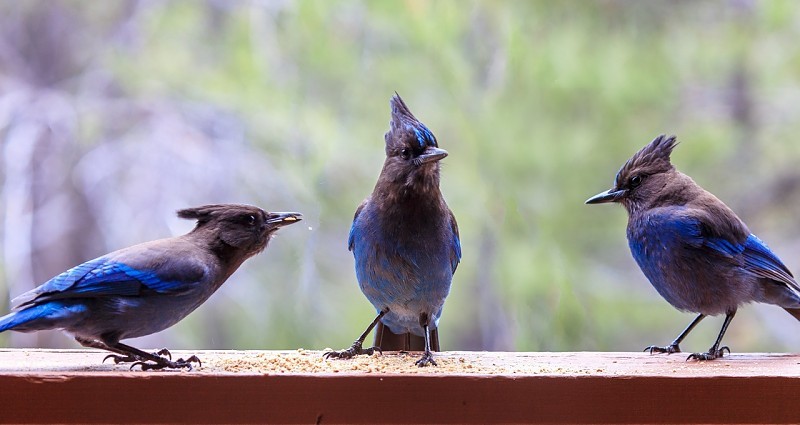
[73, 386]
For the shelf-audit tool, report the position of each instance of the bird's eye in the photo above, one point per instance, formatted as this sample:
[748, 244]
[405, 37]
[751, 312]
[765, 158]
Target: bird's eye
[635, 181]
[405, 153]
[251, 219]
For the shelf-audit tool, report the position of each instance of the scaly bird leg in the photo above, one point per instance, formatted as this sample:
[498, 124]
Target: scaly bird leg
[716, 352]
[357, 347]
[149, 361]
[129, 358]
[121, 356]
[427, 356]
[674, 347]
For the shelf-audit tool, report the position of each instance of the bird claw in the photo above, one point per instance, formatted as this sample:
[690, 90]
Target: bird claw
[351, 352]
[168, 364]
[426, 359]
[710, 355]
[120, 359]
[669, 349]
[163, 352]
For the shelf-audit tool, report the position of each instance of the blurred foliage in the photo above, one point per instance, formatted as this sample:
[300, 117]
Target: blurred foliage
[115, 114]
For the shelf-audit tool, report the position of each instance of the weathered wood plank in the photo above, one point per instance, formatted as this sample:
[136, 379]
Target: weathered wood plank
[72, 386]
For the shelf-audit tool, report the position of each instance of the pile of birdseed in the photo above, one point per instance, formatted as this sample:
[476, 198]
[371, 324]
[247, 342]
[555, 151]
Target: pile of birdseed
[312, 362]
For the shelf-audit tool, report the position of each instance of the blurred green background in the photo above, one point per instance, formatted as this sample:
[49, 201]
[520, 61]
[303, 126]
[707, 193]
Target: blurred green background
[115, 114]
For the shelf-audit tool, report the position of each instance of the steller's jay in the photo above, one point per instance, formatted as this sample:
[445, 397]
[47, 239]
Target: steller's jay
[694, 250]
[405, 242]
[149, 287]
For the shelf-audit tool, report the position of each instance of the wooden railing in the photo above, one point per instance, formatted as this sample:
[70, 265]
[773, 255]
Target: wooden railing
[73, 386]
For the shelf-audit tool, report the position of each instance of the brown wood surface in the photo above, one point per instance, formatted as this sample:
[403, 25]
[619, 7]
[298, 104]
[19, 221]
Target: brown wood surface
[73, 386]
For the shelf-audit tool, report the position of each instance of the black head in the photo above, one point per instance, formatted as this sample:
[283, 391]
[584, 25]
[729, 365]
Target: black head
[243, 227]
[412, 153]
[643, 176]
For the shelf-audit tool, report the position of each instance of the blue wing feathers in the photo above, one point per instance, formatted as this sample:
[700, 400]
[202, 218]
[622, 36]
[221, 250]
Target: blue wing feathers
[352, 237]
[99, 277]
[688, 228]
[674, 225]
[691, 231]
[724, 246]
[760, 260]
[755, 256]
[36, 313]
[68, 278]
[455, 258]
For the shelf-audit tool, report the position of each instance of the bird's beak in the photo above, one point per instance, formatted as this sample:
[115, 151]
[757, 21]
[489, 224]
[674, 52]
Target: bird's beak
[610, 195]
[431, 154]
[278, 219]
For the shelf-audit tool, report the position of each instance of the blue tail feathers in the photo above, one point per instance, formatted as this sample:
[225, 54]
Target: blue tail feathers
[38, 317]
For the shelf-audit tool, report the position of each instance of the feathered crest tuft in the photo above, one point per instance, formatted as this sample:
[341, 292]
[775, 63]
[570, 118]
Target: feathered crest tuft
[400, 111]
[207, 213]
[651, 159]
[202, 213]
[405, 123]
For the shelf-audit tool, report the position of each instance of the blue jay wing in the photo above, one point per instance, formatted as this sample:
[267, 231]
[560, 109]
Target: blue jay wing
[103, 277]
[351, 239]
[724, 246]
[692, 228]
[696, 229]
[65, 282]
[761, 261]
[455, 256]
[757, 258]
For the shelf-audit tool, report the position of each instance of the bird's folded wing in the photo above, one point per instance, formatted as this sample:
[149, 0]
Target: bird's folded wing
[756, 258]
[103, 276]
[762, 262]
[351, 238]
[455, 256]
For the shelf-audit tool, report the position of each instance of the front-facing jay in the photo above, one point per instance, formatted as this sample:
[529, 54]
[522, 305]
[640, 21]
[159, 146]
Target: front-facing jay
[405, 242]
[694, 250]
[149, 287]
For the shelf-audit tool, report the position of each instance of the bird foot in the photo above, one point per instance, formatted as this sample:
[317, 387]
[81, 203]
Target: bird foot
[669, 349]
[426, 359]
[710, 355]
[130, 358]
[167, 364]
[351, 352]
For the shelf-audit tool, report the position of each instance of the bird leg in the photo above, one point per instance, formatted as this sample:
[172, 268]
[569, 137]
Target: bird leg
[674, 347]
[716, 352]
[357, 347]
[121, 356]
[92, 343]
[427, 356]
[128, 358]
[149, 361]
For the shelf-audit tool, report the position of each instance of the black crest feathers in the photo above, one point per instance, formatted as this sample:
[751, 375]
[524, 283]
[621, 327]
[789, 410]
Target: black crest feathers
[206, 213]
[400, 111]
[405, 126]
[202, 214]
[651, 159]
